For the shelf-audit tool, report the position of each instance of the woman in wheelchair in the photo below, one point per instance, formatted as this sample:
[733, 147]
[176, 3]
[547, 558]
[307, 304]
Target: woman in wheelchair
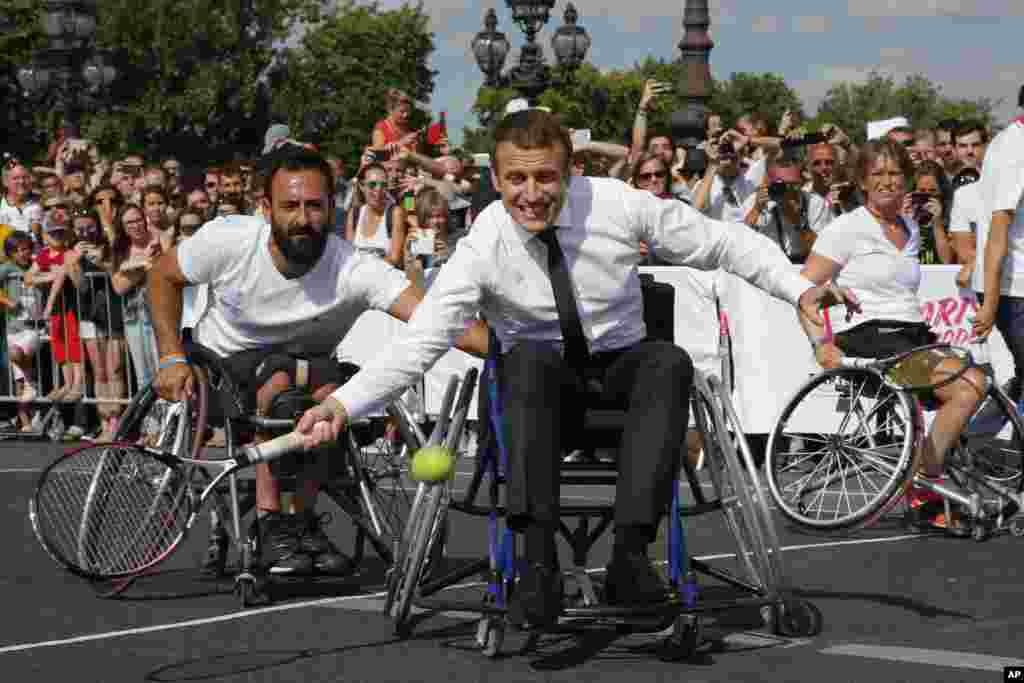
[873, 251]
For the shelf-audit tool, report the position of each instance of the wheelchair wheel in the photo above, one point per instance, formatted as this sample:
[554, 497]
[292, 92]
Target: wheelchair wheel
[732, 490]
[841, 450]
[178, 428]
[796, 618]
[994, 441]
[748, 472]
[385, 491]
[422, 531]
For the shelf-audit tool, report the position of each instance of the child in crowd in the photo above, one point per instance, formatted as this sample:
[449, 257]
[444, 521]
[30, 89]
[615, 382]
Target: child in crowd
[24, 313]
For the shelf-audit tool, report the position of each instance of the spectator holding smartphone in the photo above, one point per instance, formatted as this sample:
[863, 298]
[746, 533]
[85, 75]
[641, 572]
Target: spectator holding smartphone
[392, 133]
[926, 205]
[88, 265]
[134, 252]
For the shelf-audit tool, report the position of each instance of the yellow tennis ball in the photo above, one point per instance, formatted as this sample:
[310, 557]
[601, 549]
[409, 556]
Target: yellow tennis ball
[433, 463]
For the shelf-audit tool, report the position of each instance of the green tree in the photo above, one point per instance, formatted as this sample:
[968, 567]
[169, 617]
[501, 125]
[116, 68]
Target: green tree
[574, 100]
[852, 105]
[746, 93]
[20, 32]
[337, 77]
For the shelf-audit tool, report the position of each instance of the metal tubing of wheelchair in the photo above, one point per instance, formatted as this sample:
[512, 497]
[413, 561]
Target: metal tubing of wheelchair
[971, 502]
[407, 425]
[444, 415]
[428, 588]
[458, 421]
[725, 576]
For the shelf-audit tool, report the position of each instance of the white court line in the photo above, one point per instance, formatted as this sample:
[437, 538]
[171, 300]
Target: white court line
[915, 655]
[331, 602]
[21, 469]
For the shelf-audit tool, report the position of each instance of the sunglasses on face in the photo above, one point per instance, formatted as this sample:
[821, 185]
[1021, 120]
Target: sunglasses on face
[211, 183]
[375, 184]
[647, 177]
[10, 161]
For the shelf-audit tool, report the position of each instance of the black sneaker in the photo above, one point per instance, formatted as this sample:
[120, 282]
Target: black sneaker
[631, 580]
[279, 540]
[327, 559]
[537, 599]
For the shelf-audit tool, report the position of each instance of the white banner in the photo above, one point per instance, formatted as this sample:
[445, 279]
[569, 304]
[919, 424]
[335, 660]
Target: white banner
[771, 355]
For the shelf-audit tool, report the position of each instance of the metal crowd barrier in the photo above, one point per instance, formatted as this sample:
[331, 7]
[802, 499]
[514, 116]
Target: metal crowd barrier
[99, 313]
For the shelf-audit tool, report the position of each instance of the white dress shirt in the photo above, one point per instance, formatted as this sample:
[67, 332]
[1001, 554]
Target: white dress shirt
[500, 270]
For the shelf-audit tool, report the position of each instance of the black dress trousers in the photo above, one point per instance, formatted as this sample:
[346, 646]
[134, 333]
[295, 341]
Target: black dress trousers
[542, 403]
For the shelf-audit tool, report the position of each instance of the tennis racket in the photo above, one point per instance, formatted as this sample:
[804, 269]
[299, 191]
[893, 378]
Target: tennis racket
[111, 511]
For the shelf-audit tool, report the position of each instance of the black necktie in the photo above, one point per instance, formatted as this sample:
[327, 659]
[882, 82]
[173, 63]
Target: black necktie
[568, 315]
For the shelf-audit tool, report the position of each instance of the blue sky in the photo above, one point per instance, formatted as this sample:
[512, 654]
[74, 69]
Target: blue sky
[967, 46]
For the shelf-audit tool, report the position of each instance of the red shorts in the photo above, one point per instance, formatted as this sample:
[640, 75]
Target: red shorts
[65, 343]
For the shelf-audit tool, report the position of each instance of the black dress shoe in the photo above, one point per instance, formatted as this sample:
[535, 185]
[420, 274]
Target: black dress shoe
[631, 580]
[537, 599]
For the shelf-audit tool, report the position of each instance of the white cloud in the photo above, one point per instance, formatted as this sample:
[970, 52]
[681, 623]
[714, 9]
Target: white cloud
[812, 24]
[768, 24]
[935, 8]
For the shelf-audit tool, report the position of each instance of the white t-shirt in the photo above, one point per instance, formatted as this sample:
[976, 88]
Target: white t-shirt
[967, 212]
[1002, 189]
[883, 278]
[251, 305]
[814, 206]
[23, 218]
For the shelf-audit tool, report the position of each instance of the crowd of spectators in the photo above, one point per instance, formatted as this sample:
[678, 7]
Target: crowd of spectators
[80, 229]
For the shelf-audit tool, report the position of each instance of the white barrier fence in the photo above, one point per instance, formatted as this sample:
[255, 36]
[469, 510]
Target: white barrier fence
[770, 354]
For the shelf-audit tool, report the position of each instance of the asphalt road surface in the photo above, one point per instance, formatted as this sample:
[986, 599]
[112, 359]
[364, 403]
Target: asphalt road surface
[896, 607]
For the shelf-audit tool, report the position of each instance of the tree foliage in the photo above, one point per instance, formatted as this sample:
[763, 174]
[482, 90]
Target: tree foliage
[852, 105]
[336, 78]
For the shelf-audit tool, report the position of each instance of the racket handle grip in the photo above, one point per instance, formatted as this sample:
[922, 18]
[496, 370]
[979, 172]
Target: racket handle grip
[273, 449]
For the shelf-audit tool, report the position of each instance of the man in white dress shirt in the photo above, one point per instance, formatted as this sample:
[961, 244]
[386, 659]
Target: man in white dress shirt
[509, 269]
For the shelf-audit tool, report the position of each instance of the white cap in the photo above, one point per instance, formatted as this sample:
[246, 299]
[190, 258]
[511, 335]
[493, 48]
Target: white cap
[521, 104]
[879, 129]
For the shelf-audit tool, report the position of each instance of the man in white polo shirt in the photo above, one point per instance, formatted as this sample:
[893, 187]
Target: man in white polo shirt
[18, 208]
[999, 272]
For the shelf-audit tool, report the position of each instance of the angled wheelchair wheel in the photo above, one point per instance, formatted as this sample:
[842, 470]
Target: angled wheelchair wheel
[381, 475]
[994, 441]
[733, 490]
[423, 530]
[175, 427]
[841, 451]
[748, 472]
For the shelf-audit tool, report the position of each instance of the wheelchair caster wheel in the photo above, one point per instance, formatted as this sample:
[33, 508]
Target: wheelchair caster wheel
[1017, 527]
[796, 618]
[490, 634]
[684, 640]
[979, 533]
[249, 592]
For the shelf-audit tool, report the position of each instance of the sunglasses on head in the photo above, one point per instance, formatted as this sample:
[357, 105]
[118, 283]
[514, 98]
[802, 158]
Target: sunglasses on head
[81, 213]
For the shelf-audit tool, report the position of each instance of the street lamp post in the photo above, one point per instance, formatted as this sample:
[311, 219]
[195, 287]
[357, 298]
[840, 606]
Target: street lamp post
[688, 123]
[70, 68]
[531, 76]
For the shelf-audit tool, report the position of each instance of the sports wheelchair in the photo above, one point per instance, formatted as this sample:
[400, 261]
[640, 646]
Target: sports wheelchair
[841, 454]
[756, 581]
[367, 477]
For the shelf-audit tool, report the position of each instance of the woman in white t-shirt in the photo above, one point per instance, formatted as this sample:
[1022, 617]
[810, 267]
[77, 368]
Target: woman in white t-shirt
[873, 251]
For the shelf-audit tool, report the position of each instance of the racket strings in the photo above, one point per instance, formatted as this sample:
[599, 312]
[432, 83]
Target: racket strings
[112, 510]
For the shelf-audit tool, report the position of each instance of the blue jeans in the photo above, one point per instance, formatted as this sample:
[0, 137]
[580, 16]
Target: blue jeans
[142, 346]
[1010, 323]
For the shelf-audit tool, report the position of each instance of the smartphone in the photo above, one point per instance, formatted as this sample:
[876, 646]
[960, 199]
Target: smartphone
[580, 137]
[919, 198]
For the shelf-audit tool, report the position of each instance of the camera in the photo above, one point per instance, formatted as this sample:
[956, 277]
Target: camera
[93, 234]
[726, 149]
[777, 190]
[966, 177]
[919, 199]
